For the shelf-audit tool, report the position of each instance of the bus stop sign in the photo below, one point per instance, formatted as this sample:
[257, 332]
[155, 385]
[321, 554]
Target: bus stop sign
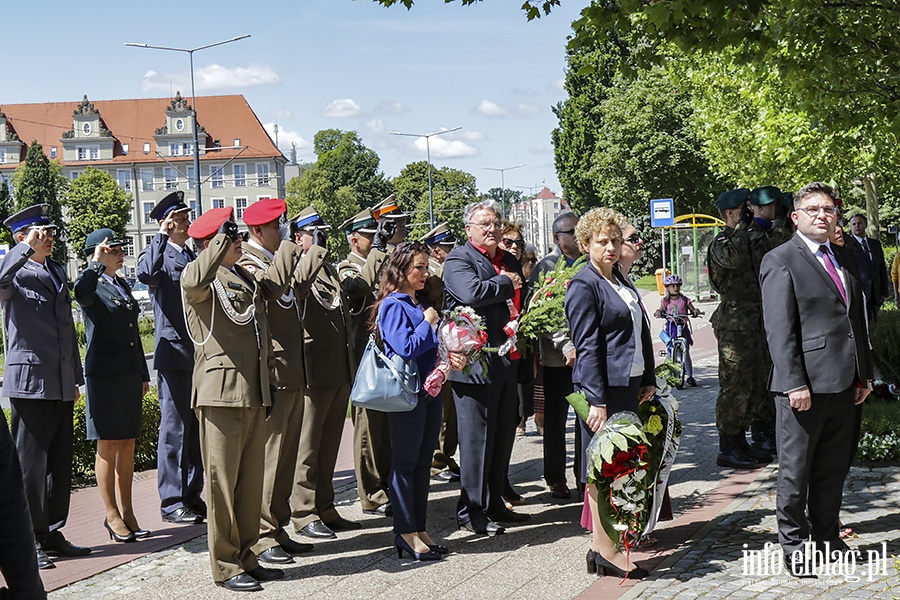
[662, 212]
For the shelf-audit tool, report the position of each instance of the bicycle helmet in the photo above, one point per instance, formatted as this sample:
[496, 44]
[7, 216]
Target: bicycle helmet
[672, 280]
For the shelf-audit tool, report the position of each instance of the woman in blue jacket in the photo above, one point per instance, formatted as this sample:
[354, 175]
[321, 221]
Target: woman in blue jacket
[117, 378]
[613, 356]
[406, 325]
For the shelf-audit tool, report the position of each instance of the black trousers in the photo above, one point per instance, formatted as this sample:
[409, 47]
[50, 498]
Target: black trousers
[18, 561]
[557, 385]
[42, 430]
[815, 450]
[486, 415]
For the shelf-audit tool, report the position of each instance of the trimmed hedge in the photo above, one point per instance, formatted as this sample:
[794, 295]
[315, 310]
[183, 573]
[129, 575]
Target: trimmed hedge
[879, 439]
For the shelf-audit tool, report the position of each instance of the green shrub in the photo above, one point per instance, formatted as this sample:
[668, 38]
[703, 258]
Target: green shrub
[886, 345]
[83, 449]
[879, 439]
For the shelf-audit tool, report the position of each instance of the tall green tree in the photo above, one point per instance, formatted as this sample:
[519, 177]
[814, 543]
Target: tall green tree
[451, 188]
[6, 209]
[40, 181]
[346, 161]
[95, 200]
[504, 197]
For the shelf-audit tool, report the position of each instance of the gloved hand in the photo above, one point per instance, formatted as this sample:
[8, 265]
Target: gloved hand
[320, 238]
[284, 230]
[230, 229]
[271, 407]
[386, 230]
[746, 215]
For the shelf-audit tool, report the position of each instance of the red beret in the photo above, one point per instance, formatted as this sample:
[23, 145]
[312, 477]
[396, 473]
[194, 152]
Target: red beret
[209, 222]
[264, 211]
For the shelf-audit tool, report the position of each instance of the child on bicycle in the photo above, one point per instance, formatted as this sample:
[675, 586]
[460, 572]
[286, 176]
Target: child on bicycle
[678, 306]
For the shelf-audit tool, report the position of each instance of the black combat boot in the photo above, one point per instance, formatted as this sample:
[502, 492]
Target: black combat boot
[730, 457]
[762, 436]
[754, 453]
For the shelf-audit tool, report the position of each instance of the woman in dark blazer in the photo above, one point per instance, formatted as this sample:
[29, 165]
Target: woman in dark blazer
[613, 356]
[117, 378]
[406, 326]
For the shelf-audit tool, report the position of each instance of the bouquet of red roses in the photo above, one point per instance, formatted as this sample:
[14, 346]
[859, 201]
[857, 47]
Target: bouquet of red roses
[462, 331]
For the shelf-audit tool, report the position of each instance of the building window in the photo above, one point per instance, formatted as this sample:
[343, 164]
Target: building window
[240, 204]
[171, 176]
[190, 176]
[129, 248]
[147, 240]
[146, 180]
[146, 147]
[74, 175]
[174, 149]
[217, 176]
[240, 175]
[148, 206]
[218, 202]
[262, 174]
[53, 152]
[193, 205]
[2, 156]
[237, 142]
[125, 149]
[123, 176]
[87, 152]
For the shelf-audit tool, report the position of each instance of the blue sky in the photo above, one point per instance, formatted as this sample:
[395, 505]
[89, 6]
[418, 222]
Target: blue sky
[316, 64]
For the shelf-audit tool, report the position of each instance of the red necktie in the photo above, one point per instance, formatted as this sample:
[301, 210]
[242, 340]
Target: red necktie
[832, 271]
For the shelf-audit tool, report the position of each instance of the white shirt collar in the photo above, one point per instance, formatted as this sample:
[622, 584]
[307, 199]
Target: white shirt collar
[174, 245]
[813, 245]
[260, 248]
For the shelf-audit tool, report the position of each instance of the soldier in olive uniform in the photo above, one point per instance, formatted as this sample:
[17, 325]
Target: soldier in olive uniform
[371, 438]
[328, 360]
[440, 242]
[268, 226]
[226, 318]
[738, 318]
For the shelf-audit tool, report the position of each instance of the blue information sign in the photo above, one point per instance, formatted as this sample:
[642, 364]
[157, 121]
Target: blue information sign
[662, 212]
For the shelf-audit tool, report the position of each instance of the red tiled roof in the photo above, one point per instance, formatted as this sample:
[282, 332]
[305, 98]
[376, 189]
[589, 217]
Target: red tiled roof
[135, 121]
[546, 194]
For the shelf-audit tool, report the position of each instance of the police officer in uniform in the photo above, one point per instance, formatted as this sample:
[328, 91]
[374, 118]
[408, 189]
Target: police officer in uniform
[226, 317]
[328, 359]
[43, 372]
[733, 270]
[440, 242]
[179, 474]
[268, 226]
[371, 439]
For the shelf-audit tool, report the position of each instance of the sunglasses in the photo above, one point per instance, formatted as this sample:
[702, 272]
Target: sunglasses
[509, 242]
[634, 238]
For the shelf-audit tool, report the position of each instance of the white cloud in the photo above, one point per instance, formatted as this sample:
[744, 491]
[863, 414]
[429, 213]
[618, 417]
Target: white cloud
[471, 136]
[391, 107]
[342, 109]
[490, 109]
[211, 78]
[558, 85]
[442, 147]
[286, 137]
[376, 126]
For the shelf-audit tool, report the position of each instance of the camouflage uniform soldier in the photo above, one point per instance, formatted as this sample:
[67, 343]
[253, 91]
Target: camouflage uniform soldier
[736, 322]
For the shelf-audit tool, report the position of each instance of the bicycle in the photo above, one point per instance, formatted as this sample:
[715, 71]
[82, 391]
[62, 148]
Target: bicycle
[677, 345]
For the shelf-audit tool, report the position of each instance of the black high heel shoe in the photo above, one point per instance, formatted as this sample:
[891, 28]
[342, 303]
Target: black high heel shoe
[115, 536]
[139, 533]
[402, 546]
[601, 566]
[439, 548]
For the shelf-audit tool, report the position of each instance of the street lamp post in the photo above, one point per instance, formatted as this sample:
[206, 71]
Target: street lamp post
[190, 53]
[503, 183]
[428, 137]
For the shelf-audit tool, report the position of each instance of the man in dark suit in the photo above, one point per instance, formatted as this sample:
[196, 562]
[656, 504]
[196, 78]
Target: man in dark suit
[179, 466]
[43, 372]
[873, 275]
[484, 277]
[815, 325]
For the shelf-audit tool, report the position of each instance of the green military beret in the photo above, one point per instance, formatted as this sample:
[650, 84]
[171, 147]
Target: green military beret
[732, 198]
[787, 200]
[762, 196]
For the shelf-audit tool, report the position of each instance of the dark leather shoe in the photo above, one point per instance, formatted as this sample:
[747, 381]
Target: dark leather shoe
[560, 490]
[385, 510]
[292, 547]
[447, 475]
[504, 515]
[240, 583]
[183, 516]
[275, 555]
[800, 572]
[44, 561]
[264, 574]
[488, 528]
[317, 529]
[57, 545]
[342, 524]
[198, 509]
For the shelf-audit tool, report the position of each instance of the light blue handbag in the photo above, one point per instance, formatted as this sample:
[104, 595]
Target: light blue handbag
[385, 384]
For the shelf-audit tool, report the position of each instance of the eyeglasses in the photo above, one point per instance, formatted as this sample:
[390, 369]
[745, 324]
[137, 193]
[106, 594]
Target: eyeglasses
[568, 231]
[634, 238]
[509, 242]
[495, 225]
[813, 211]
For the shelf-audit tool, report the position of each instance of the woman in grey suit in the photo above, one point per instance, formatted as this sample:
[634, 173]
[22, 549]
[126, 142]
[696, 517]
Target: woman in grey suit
[613, 356]
[117, 378]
